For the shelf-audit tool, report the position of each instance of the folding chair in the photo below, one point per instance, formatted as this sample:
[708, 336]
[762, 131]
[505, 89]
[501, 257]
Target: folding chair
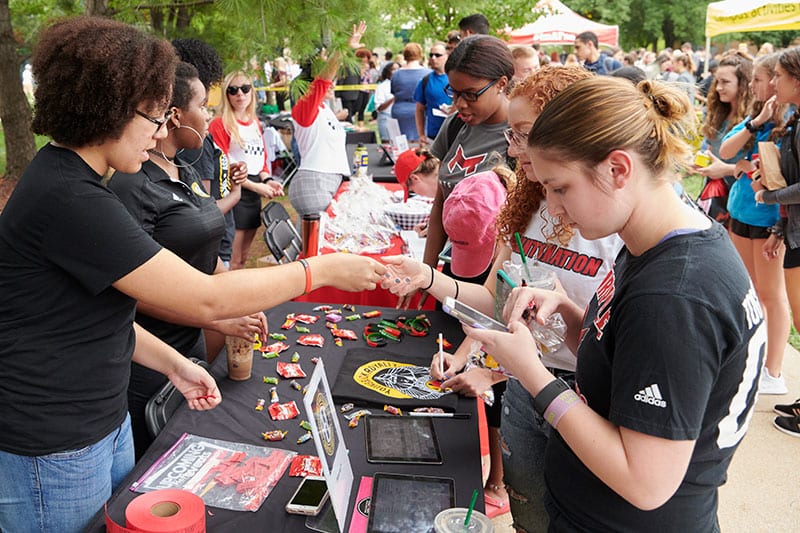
[275, 211]
[283, 241]
[163, 404]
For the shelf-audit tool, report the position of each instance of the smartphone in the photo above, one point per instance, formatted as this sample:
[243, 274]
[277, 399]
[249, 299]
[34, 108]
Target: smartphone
[469, 316]
[309, 497]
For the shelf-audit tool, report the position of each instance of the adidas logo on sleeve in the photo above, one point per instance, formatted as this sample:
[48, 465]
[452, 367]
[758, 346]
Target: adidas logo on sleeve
[650, 395]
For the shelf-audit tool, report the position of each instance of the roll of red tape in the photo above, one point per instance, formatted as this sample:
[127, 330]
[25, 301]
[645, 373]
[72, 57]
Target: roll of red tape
[163, 511]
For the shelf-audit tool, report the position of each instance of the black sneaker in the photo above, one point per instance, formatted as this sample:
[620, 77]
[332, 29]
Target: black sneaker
[789, 409]
[788, 425]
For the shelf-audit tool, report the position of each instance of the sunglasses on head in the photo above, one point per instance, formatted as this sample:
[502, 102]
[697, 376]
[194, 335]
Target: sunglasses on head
[433, 54]
[233, 89]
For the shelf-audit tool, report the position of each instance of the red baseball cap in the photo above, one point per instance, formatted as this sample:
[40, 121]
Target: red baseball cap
[407, 162]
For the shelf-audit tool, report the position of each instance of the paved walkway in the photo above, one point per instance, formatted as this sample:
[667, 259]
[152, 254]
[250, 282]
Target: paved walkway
[763, 489]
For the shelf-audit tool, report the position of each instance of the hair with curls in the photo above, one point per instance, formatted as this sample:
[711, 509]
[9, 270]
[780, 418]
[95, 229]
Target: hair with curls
[652, 119]
[203, 57]
[93, 73]
[718, 112]
[228, 113]
[524, 200]
[412, 52]
[182, 89]
[481, 56]
[789, 61]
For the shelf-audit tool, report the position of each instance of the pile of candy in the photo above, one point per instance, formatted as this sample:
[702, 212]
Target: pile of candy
[359, 225]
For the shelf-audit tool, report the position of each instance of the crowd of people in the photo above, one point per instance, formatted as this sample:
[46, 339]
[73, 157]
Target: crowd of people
[130, 229]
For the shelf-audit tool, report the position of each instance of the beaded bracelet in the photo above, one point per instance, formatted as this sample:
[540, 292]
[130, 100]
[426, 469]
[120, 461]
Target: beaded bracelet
[559, 406]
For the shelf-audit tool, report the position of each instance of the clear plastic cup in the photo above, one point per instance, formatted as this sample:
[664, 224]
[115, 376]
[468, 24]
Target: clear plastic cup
[452, 521]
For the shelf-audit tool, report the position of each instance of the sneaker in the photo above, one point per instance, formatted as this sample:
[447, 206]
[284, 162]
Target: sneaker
[771, 385]
[789, 409]
[788, 425]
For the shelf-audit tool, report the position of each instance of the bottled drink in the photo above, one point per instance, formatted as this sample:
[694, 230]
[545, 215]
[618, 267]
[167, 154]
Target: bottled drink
[360, 161]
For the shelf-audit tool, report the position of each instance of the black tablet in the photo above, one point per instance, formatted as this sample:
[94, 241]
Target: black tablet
[400, 503]
[401, 439]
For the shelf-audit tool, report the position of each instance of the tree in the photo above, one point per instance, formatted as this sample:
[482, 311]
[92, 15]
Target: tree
[15, 112]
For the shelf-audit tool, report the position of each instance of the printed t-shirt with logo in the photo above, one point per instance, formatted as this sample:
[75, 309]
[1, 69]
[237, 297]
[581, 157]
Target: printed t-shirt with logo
[469, 151]
[670, 352]
[580, 267]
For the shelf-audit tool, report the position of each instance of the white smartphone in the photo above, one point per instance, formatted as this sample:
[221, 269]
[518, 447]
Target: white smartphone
[469, 316]
[309, 497]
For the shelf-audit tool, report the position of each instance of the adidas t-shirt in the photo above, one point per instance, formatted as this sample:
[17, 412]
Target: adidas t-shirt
[671, 346]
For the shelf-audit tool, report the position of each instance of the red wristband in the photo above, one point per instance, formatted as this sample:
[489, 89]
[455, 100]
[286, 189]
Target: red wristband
[307, 269]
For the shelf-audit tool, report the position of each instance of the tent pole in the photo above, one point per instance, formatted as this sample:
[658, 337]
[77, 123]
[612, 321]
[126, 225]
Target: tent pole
[708, 56]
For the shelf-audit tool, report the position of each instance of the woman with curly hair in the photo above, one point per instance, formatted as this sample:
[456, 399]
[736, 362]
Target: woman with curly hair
[728, 104]
[549, 243]
[238, 134]
[74, 263]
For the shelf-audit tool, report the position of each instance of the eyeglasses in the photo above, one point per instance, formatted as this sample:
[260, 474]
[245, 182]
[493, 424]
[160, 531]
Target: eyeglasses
[432, 55]
[233, 89]
[515, 137]
[466, 95]
[159, 122]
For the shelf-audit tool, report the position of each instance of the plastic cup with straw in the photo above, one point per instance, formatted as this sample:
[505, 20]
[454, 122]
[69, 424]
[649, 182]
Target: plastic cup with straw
[523, 256]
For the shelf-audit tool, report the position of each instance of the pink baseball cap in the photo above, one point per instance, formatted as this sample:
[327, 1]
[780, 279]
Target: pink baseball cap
[468, 218]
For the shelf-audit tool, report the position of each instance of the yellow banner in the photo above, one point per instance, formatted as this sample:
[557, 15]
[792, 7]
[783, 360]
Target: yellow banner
[748, 15]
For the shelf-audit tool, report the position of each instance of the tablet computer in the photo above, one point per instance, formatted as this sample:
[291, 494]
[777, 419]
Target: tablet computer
[401, 503]
[401, 439]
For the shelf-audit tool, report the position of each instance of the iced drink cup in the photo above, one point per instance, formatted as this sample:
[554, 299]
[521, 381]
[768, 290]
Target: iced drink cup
[240, 358]
[452, 521]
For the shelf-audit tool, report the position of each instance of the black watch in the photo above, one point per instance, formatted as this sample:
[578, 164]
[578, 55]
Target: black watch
[752, 128]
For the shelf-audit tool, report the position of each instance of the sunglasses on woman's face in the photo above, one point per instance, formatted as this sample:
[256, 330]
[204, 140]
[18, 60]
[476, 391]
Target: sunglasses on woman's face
[233, 89]
[434, 54]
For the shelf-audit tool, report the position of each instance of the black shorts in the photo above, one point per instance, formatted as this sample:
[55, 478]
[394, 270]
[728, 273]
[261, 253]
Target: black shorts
[791, 259]
[747, 231]
[247, 212]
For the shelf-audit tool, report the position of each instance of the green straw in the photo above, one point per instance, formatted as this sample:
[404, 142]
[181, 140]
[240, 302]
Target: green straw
[471, 508]
[522, 255]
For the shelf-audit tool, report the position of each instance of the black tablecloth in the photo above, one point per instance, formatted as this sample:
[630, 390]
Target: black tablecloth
[380, 167]
[236, 419]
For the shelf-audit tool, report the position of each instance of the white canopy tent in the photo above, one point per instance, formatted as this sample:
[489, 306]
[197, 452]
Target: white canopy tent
[558, 24]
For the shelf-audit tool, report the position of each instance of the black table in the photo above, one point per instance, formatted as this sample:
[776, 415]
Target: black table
[380, 167]
[236, 419]
[365, 137]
